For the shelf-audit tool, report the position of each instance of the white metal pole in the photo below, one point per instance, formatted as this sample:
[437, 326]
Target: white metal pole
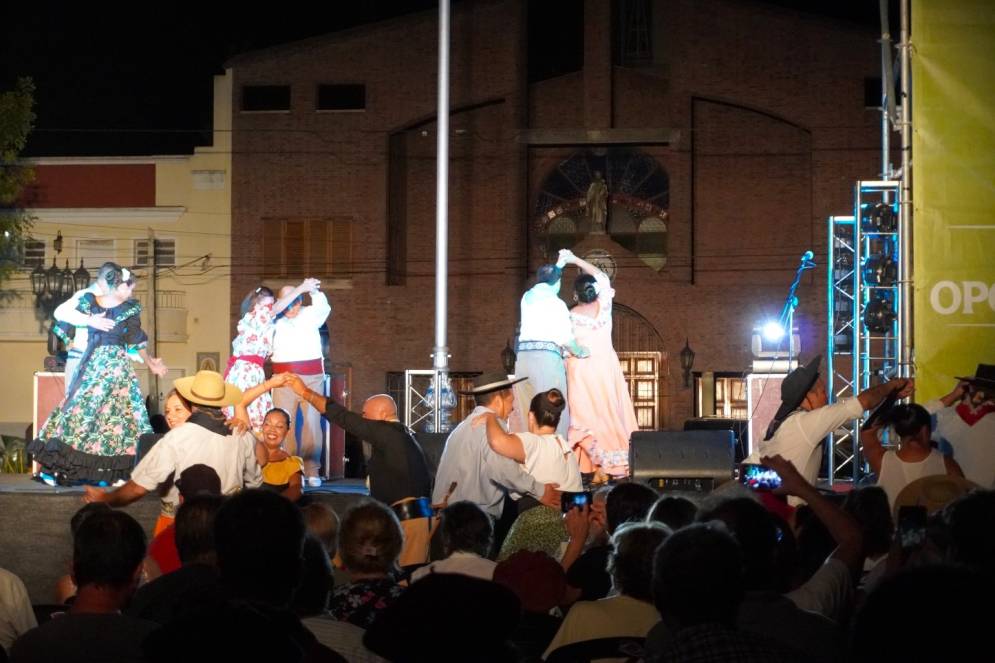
[441, 354]
[905, 201]
[887, 87]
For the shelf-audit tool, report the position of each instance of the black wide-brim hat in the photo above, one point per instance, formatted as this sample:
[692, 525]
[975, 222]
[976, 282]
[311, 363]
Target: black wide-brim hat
[984, 376]
[488, 382]
[796, 386]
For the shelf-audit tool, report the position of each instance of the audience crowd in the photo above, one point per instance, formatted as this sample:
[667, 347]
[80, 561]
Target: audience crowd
[630, 575]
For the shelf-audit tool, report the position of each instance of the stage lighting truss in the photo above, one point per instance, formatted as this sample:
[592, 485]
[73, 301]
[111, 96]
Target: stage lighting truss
[864, 310]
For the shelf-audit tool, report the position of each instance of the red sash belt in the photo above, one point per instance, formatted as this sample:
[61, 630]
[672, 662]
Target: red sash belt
[252, 359]
[306, 367]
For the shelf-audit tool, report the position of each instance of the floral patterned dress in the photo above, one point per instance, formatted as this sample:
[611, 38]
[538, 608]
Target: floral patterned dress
[252, 346]
[360, 602]
[91, 437]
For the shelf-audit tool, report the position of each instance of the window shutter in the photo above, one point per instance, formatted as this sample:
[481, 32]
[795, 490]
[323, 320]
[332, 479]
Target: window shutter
[342, 247]
[272, 248]
[295, 258]
[319, 250]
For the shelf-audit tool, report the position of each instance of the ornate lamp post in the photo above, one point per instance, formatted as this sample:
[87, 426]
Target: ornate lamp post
[687, 362]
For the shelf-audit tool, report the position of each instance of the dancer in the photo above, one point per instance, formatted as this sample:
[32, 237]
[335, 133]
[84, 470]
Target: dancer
[965, 424]
[91, 437]
[602, 415]
[544, 339]
[254, 344]
[297, 349]
[71, 326]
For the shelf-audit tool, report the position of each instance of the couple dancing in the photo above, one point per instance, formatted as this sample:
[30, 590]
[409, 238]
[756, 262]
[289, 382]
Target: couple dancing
[571, 350]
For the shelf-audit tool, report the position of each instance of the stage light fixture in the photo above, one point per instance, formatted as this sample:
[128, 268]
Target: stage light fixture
[879, 218]
[879, 313]
[880, 269]
[773, 331]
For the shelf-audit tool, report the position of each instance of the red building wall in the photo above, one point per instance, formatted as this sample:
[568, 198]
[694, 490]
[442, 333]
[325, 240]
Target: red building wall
[780, 134]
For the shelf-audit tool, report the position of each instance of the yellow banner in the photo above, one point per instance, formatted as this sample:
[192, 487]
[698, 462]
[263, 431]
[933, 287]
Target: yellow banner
[953, 189]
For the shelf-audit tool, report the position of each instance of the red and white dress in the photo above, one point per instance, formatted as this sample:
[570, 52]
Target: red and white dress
[249, 351]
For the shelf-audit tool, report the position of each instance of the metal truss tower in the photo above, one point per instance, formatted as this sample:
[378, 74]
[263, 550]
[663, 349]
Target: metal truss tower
[865, 311]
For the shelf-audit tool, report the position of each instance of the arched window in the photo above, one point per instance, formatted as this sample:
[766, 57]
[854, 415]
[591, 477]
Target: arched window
[637, 206]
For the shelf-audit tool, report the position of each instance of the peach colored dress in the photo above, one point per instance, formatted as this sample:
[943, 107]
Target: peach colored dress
[602, 417]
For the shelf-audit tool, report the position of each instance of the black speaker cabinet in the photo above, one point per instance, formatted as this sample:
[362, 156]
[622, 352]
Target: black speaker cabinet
[692, 461]
[432, 445]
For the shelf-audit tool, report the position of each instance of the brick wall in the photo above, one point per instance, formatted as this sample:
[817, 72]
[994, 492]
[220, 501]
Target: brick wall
[780, 134]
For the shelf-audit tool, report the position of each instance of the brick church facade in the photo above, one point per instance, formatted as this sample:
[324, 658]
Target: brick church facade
[726, 131]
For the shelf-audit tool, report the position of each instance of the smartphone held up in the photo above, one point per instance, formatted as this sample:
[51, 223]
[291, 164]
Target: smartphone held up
[758, 477]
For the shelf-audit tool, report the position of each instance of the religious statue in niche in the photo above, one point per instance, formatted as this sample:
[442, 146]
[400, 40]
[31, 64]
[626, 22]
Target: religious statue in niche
[597, 204]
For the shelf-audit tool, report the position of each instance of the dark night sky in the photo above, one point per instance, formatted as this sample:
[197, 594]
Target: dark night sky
[109, 82]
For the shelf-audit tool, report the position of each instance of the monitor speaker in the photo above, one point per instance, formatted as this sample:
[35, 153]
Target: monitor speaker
[694, 461]
[432, 445]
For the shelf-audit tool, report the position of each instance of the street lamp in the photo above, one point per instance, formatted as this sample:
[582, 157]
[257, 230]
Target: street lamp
[687, 362]
[66, 283]
[508, 358]
[81, 277]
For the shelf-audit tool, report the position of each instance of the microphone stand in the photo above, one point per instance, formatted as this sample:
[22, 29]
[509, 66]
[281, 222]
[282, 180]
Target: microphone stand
[787, 317]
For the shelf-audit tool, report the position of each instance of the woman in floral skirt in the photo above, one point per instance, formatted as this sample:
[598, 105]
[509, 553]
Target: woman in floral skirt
[91, 437]
[254, 344]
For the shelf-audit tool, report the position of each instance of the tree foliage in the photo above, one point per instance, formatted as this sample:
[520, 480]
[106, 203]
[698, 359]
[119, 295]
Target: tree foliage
[16, 120]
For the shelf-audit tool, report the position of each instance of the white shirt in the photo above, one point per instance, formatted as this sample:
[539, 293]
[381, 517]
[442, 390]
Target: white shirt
[549, 459]
[545, 316]
[67, 312]
[973, 446]
[16, 615]
[232, 457]
[828, 592]
[797, 438]
[461, 562]
[897, 473]
[297, 338]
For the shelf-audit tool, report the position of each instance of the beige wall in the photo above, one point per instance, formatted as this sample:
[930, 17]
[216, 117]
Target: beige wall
[193, 207]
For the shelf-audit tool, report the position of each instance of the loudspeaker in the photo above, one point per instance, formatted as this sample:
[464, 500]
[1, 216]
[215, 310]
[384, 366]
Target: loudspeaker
[737, 426]
[695, 461]
[432, 445]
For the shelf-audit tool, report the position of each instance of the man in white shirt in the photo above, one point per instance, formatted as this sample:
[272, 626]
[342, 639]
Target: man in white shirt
[16, 615]
[545, 335]
[467, 535]
[297, 349]
[203, 439]
[481, 475]
[965, 424]
[805, 418]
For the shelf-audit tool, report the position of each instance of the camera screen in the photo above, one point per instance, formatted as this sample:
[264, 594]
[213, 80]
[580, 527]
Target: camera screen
[570, 500]
[912, 527]
[759, 477]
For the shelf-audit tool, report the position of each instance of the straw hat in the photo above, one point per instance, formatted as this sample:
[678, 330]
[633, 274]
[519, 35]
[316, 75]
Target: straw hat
[934, 492]
[208, 388]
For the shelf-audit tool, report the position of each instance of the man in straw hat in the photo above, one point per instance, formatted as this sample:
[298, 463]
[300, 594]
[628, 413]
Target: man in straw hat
[481, 475]
[203, 439]
[805, 417]
[965, 424]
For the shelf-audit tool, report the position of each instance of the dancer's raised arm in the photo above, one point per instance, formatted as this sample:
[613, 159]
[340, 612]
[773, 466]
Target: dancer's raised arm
[505, 444]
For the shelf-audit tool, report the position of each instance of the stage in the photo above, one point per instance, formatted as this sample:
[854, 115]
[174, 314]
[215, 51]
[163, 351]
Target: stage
[35, 542]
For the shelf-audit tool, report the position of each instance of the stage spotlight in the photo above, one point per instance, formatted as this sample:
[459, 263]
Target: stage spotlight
[879, 218]
[880, 270]
[879, 314]
[773, 331]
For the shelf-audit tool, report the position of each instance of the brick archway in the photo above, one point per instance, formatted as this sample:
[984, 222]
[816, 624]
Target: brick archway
[644, 362]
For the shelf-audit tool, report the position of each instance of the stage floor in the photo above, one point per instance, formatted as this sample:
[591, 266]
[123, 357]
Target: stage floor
[35, 542]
